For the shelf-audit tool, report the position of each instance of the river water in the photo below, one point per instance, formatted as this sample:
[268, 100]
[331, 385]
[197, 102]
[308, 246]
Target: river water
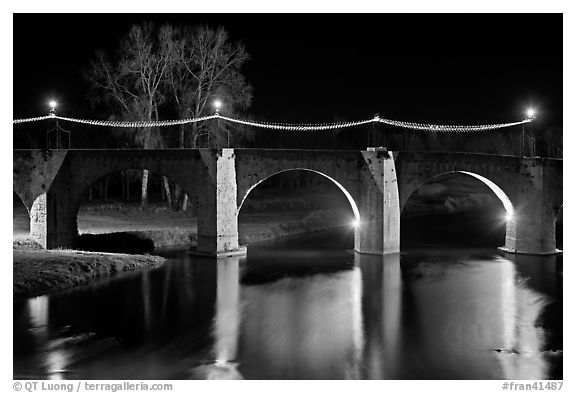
[304, 308]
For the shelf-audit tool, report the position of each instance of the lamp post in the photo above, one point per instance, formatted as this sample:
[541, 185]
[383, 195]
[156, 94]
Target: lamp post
[217, 106]
[57, 129]
[52, 104]
[530, 115]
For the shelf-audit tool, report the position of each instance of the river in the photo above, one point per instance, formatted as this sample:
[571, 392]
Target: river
[304, 307]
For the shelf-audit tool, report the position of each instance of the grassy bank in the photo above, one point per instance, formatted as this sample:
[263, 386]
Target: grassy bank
[40, 272]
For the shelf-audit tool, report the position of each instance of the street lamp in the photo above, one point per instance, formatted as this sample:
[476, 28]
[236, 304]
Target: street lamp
[217, 105]
[530, 115]
[52, 105]
[57, 129]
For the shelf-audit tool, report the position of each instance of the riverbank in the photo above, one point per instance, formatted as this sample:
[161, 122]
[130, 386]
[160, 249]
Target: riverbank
[41, 272]
[113, 241]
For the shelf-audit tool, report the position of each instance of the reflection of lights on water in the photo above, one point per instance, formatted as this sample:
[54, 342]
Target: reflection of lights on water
[38, 311]
[56, 362]
[355, 223]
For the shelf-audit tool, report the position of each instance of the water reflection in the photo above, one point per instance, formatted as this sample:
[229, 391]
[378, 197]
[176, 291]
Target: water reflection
[382, 310]
[226, 324]
[306, 312]
[469, 312]
[303, 327]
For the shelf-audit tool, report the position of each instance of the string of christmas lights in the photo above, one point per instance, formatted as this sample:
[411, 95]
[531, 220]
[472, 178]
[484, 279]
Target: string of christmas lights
[297, 127]
[450, 128]
[31, 119]
[280, 126]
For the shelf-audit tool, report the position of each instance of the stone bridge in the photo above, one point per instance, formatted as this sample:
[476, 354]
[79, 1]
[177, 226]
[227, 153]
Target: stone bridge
[53, 183]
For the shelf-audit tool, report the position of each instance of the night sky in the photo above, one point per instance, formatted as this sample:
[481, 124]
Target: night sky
[434, 68]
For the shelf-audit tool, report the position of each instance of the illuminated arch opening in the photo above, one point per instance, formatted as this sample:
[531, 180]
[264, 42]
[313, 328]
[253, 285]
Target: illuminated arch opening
[110, 217]
[476, 205]
[340, 186]
[287, 196]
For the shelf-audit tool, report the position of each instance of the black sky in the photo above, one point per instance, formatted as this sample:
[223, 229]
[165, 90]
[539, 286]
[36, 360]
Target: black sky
[437, 68]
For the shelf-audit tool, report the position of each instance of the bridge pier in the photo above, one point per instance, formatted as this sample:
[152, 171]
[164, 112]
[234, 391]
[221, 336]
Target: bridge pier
[52, 223]
[217, 209]
[532, 229]
[379, 205]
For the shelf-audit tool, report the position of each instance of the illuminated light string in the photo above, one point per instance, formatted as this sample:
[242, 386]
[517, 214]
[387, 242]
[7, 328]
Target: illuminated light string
[451, 128]
[297, 127]
[31, 119]
[279, 126]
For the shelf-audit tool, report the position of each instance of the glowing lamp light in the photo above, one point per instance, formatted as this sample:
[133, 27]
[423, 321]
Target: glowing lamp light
[509, 216]
[217, 105]
[52, 104]
[530, 113]
[355, 223]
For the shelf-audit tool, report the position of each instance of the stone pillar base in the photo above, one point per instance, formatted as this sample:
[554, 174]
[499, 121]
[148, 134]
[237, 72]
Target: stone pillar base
[376, 252]
[219, 254]
[513, 251]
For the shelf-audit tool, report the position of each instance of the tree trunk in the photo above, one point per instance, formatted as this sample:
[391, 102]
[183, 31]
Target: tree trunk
[100, 190]
[127, 187]
[144, 200]
[106, 188]
[167, 191]
[194, 135]
[181, 138]
[185, 203]
[123, 185]
[177, 192]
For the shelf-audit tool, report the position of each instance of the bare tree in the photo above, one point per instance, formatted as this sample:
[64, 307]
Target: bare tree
[205, 65]
[130, 84]
[180, 70]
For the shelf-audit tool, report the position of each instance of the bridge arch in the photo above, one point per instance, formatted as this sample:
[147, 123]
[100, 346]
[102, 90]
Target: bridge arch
[69, 200]
[349, 197]
[80, 192]
[497, 191]
[100, 229]
[500, 194]
[83, 185]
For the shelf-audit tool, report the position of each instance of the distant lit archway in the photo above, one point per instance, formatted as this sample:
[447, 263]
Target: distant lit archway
[353, 204]
[111, 218]
[457, 207]
[293, 201]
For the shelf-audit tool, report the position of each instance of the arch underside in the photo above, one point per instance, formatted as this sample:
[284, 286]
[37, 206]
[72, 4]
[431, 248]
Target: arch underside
[86, 183]
[500, 194]
[349, 197]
